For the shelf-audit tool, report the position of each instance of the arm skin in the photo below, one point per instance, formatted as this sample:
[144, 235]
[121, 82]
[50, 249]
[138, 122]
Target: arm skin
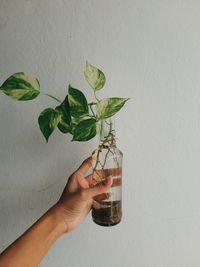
[71, 209]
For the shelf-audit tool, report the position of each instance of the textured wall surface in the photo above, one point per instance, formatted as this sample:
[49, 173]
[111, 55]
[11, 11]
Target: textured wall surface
[150, 51]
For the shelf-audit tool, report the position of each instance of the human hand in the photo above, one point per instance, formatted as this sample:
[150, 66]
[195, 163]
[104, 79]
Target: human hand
[77, 197]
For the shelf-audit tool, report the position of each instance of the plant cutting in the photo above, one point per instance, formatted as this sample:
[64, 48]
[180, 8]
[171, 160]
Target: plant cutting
[83, 120]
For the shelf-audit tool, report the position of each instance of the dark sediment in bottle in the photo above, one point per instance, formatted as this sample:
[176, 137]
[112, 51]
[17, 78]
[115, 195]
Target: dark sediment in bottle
[107, 213]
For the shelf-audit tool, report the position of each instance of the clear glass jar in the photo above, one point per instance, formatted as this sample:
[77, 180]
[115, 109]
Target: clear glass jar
[107, 160]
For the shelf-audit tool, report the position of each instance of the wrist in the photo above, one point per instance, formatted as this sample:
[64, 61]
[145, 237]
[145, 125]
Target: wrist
[56, 217]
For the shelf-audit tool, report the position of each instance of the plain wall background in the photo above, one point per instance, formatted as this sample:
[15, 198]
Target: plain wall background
[149, 51]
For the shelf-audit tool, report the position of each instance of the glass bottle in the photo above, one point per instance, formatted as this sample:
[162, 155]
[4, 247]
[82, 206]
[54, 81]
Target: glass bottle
[107, 160]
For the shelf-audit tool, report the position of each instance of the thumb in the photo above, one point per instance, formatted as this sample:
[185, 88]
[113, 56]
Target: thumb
[99, 188]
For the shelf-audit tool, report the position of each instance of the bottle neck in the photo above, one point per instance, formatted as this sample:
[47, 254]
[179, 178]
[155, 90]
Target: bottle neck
[107, 132]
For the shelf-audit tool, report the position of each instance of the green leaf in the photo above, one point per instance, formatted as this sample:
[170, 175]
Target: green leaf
[85, 130]
[65, 117]
[77, 102]
[21, 86]
[107, 107]
[74, 123]
[48, 120]
[94, 77]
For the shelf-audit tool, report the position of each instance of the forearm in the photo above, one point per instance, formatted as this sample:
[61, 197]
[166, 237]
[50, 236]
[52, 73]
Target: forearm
[29, 249]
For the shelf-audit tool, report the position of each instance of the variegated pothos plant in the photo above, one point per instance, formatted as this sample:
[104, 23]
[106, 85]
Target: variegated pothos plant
[74, 114]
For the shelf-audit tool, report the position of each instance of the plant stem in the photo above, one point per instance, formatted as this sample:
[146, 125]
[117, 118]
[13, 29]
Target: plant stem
[89, 115]
[92, 110]
[55, 98]
[106, 140]
[97, 160]
[92, 103]
[96, 96]
[106, 158]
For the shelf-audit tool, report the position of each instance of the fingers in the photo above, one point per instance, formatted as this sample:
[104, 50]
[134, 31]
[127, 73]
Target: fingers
[84, 166]
[85, 182]
[89, 179]
[82, 181]
[98, 189]
[102, 196]
[75, 180]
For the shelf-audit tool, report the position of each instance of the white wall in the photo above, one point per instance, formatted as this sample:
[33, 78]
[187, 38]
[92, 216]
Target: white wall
[150, 51]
